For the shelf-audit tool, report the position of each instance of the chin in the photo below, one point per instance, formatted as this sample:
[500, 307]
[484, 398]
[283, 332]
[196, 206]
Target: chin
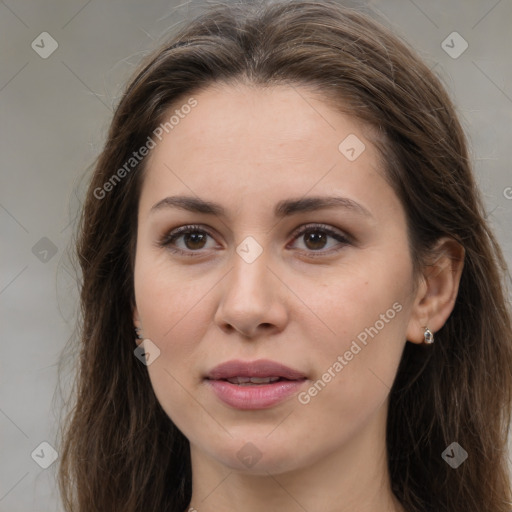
[259, 455]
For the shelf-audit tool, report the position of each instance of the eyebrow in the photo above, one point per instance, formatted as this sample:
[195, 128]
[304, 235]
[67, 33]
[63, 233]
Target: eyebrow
[282, 209]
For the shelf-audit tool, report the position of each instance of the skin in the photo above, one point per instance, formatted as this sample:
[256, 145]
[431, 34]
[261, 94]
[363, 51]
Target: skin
[248, 148]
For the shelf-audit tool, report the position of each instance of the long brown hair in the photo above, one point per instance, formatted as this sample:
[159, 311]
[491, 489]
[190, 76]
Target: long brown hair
[120, 451]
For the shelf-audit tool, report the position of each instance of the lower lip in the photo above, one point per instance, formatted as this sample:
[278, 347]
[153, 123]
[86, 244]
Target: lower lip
[257, 396]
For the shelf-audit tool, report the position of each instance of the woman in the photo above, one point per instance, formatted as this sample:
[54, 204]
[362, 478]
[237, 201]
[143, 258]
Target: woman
[285, 212]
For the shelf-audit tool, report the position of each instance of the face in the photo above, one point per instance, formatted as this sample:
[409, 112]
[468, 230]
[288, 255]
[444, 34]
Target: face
[325, 290]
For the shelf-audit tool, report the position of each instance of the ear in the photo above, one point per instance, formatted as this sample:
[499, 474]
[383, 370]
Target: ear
[137, 324]
[437, 289]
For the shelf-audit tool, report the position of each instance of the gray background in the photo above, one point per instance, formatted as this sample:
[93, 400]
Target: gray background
[54, 117]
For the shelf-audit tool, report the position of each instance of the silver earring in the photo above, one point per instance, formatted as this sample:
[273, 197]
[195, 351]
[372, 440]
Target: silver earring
[428, 336]
[137, 333]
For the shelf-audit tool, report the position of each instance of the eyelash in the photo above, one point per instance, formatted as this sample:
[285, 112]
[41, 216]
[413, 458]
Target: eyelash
[172, 236]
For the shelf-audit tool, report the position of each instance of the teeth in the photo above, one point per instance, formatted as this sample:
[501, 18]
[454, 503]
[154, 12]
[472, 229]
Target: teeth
[263, 380]
[252, 380]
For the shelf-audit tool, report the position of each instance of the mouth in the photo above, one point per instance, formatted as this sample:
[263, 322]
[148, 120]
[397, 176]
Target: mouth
[254, 384]
[257, 372]
[254, 381]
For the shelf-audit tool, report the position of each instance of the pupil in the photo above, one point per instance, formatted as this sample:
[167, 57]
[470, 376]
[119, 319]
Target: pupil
[318, 240]
[193, 238]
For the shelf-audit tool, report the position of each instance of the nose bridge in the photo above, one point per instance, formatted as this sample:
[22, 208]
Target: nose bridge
[250, 272]
[249, 296]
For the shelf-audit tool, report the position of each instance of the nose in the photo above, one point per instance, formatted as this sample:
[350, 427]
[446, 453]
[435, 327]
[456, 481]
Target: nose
[253, 299]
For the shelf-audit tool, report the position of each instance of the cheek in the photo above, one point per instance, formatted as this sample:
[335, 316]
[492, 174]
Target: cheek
[166, 294]
[353, 296]
[175, 315]
[362, 334]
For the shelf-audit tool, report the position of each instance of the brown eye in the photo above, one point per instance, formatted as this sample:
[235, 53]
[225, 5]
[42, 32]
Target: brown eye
[192, 238]
[316, 238]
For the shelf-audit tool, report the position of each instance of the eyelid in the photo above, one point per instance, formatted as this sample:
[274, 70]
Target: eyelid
[342, 237]
[173, 234]
[330, 230]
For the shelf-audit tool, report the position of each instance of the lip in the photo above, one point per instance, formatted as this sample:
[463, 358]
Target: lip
[259, 368]
[258, 396]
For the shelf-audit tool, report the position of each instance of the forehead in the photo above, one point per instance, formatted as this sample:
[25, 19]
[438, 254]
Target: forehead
[250, 141]
[244, 116]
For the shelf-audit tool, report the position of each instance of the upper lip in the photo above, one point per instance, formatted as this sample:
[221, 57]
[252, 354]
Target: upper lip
[259, 368]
